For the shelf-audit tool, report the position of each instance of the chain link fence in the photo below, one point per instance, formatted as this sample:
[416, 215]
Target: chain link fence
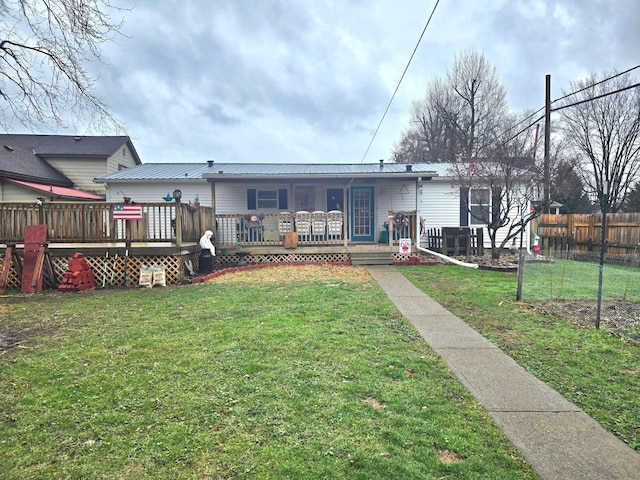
[579, 287]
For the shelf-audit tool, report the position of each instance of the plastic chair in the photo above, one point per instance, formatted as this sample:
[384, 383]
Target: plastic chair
[284, 223]
[334, 225]
[303, 224]
[318, 224]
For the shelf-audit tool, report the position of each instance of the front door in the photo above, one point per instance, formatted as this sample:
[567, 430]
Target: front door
[361, 214]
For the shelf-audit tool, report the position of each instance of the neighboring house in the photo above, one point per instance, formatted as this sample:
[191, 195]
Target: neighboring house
[368, 191]
[60, 167]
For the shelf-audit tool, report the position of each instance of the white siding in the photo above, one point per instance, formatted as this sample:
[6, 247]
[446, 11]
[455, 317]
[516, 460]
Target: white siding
[156, 190]
[439, 205]
[232, 197]
[393, 195]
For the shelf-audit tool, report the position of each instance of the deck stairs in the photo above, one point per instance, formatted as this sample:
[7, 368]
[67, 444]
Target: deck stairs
[372, 258]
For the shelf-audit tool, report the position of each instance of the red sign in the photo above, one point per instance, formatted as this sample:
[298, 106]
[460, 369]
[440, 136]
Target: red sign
[127, 212]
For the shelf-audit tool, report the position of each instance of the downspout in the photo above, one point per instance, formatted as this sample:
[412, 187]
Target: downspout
[418, 197]
[345, 216]
[447, 259]
[431, 252]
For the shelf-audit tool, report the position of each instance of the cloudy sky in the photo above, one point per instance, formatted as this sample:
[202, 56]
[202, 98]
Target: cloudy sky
[308, 81]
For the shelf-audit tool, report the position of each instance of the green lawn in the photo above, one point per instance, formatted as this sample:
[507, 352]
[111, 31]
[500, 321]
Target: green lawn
[567, 279]
[596, 370]
[290, 378]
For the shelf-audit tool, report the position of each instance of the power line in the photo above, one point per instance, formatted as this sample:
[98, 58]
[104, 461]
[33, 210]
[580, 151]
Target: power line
[572, 104]
[400, 81]
[595, 84]
[629, 87]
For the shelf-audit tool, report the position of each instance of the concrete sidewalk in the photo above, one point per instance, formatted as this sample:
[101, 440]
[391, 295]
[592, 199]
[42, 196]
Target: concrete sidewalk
[557, 438]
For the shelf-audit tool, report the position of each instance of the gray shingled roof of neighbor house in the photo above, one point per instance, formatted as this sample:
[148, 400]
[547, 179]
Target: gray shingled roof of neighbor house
[70, 145]
[23, 156]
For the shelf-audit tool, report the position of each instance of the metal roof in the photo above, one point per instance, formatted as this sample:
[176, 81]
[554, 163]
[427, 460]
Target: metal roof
[58, 192]
[221, 171]
[158, 171]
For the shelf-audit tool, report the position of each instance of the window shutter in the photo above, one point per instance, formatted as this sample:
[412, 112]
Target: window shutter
[251, 198]
[283, 203]
[495, 206]
[464, 212]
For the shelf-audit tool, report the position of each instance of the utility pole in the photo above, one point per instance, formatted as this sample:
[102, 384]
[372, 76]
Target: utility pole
[547, 141]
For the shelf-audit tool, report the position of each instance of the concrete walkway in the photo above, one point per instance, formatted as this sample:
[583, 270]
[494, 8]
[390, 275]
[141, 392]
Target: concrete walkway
[557, 438]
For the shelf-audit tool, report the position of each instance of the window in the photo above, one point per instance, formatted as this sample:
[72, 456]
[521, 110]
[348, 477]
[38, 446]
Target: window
[479, 206]
[266, 199]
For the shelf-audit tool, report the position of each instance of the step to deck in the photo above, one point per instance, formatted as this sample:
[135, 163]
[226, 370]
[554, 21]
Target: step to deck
[371, 258]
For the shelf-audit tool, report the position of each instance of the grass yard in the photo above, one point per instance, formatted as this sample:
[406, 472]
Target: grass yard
[288, 372]
[596, 370]
[568, 279]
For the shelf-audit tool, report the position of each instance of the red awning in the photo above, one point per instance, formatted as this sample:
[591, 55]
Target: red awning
[53, 191]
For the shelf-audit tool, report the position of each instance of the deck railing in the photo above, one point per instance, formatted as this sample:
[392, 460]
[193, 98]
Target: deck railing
[92, 222]
[271, 229]
[177, 223]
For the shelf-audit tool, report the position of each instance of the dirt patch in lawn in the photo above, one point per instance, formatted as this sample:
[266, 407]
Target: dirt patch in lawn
[620, 316]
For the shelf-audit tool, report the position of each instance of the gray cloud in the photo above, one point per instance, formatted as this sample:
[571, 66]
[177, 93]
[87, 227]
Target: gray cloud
[287, 80]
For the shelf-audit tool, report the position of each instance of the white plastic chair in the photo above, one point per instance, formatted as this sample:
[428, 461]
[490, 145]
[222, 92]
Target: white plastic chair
[303, 224]
[334, 225]
[318, 224]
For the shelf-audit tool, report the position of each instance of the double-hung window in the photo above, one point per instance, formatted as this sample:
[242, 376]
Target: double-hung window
[479, 206]
[267, 199]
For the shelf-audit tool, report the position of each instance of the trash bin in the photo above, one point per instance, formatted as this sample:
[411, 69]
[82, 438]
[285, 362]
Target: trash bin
[206, 262]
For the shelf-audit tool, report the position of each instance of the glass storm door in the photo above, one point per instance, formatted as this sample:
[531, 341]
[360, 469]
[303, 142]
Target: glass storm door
[362, 223]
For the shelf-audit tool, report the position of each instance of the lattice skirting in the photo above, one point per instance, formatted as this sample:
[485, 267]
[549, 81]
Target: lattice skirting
[124, 272]
[115, 271]
[233, 259]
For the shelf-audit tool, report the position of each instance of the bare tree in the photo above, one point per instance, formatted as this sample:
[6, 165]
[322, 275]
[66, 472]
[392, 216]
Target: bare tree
[498, 189]
[459, 115]
[44, 49]
[604, 132]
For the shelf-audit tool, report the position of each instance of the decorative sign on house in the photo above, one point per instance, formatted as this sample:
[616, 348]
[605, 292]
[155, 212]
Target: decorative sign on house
[127, 212]
[405, 246]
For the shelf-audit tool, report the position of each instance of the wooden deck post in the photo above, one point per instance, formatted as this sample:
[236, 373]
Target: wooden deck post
[178, 224]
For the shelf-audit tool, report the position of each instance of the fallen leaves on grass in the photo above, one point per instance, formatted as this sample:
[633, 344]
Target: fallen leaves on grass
[294, 274]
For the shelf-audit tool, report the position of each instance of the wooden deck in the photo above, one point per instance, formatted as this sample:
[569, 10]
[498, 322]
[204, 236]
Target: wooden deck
[115, 266]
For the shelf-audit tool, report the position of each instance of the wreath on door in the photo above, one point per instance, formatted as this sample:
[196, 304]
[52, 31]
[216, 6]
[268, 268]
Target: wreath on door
[401, 220]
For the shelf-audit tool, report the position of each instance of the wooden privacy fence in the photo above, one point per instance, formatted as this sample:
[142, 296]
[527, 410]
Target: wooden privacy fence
[456, 240]
[583, 232]
[92, 222]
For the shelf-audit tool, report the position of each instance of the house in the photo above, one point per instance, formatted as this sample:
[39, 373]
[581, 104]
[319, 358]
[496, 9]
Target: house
[60, 167]
[364, 194]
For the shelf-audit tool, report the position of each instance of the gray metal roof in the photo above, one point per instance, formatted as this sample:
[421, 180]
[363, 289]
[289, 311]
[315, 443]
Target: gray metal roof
[157, 171]
[221, 171]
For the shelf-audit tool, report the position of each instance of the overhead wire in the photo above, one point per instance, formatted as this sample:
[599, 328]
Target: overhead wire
[531, 124]
[375, 133]
[595, 84]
